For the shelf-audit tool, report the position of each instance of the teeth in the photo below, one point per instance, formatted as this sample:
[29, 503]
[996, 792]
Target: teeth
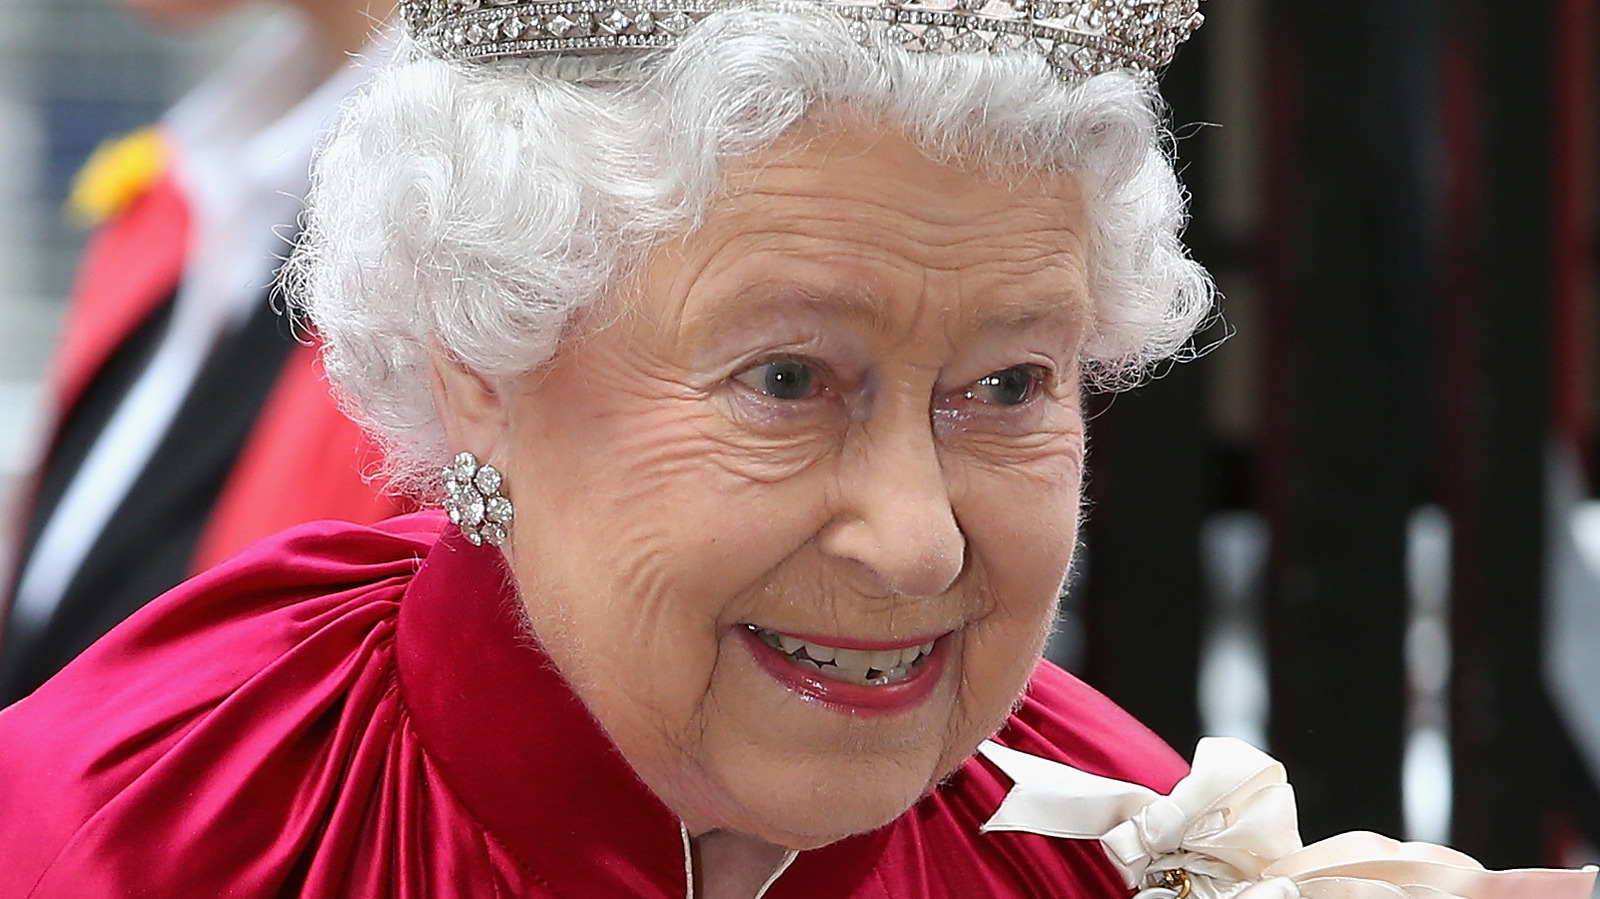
[855, 660]
[858, 666]
[884, 661]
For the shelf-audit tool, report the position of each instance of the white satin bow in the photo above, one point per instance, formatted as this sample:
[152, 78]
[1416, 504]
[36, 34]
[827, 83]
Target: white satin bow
[1231, 826]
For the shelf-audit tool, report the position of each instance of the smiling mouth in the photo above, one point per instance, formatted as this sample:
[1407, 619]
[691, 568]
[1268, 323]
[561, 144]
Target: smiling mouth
[866, 668]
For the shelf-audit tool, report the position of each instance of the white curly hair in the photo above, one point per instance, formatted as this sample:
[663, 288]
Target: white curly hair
[472, 209]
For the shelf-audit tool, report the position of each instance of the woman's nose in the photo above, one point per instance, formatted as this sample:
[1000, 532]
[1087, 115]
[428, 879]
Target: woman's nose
[894, 515]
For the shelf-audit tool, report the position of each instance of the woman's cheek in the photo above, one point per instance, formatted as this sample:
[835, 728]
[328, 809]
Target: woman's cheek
[766, 441]
[1021, 526]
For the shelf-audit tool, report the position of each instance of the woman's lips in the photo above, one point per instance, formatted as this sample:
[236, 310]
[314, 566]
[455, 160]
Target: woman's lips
[859, 677]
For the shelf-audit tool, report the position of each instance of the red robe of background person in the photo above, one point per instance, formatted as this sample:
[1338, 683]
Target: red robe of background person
[304, 459]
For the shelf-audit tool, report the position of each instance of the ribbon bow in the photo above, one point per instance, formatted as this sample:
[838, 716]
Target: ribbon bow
[1229, 830]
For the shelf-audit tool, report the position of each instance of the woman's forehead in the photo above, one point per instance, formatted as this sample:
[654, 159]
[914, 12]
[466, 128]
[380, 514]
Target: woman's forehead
[850, 224]
[869, 161]
[847, 197]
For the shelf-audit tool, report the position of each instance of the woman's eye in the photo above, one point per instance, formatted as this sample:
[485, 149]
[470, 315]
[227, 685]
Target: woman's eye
[782, 379]
[1008, 387]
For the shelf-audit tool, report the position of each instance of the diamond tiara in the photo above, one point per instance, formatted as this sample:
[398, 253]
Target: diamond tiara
[1076, 37]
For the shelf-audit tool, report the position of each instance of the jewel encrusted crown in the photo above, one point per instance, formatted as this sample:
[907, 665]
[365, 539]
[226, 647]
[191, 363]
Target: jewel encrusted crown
[1076, 37]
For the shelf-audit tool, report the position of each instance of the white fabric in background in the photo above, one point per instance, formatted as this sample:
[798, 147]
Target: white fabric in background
[242, 145]
[1572, 613]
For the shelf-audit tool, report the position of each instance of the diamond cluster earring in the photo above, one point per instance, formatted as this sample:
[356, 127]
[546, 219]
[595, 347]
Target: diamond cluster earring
[473, 500]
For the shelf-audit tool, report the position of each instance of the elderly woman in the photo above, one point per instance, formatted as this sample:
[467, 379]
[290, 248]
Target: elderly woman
[773, 324]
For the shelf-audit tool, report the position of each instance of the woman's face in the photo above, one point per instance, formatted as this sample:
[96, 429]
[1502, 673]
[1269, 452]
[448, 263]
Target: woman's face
[794, 524]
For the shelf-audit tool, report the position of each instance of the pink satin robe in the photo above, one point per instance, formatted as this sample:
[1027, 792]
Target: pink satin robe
[352, 711]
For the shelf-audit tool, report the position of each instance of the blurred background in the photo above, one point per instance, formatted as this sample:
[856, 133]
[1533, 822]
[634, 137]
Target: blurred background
[1360, 533]
[73, 73]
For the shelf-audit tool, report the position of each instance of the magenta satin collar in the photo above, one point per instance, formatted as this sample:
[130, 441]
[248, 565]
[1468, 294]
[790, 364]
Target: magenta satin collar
[524, 755]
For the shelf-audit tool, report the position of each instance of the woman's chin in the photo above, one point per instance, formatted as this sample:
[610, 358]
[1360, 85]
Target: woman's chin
[808, 813]
[806, 832]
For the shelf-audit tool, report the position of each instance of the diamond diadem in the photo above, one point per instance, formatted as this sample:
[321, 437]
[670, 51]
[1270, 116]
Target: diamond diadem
[1076, 37]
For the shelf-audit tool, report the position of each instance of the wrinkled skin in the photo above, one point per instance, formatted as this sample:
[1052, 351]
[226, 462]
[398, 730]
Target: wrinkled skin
[667, 495]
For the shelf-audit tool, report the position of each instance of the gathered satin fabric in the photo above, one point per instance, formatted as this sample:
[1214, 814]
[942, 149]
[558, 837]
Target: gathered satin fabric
[1232, 826]
[359, 711]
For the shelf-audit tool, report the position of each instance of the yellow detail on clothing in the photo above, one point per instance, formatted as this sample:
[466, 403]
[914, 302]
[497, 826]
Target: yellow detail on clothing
[117, 173]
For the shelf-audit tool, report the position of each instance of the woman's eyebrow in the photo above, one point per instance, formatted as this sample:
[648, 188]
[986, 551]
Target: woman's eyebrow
[860, 306]
[1065, 308]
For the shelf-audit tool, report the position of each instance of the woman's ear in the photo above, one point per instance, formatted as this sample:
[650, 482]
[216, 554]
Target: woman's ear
[470, 407]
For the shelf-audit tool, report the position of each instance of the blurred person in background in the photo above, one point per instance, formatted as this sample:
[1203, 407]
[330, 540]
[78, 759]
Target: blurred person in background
[187, 420]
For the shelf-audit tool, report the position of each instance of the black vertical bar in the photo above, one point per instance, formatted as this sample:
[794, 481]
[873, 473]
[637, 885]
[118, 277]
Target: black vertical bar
[1501, 720]
[1345, 275]
[1149, 483]
[1144, 603]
